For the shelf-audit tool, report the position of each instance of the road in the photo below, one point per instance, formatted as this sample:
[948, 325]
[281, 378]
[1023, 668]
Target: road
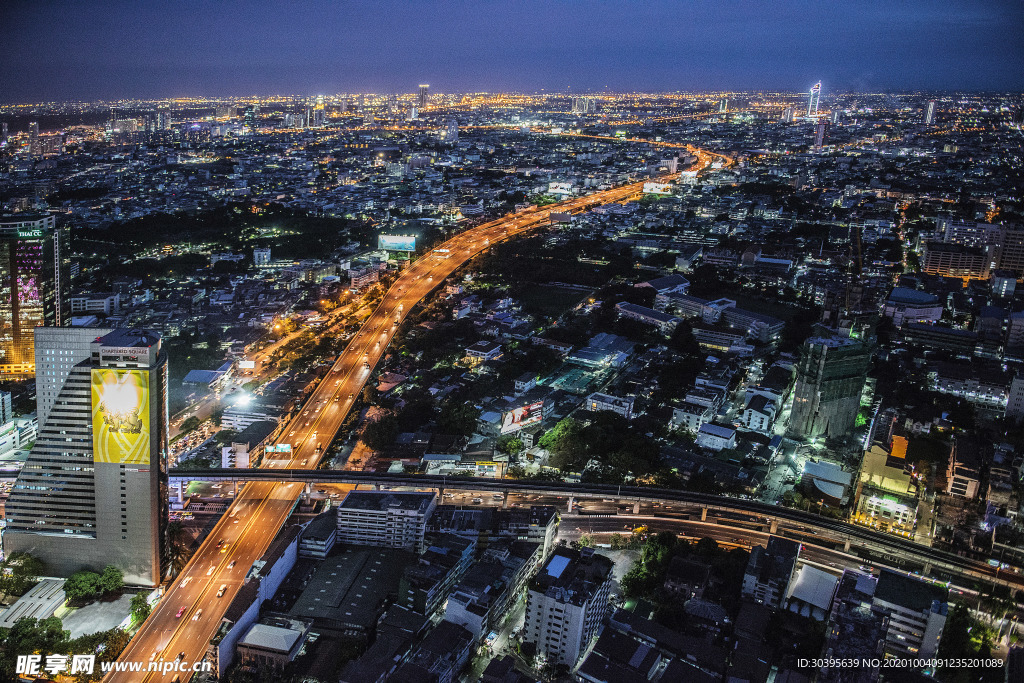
[263, 508]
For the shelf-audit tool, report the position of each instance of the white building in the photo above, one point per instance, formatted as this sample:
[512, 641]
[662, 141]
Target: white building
[566, 603]
[690, 416]
[261, 257]
[387, 519]
[912, 306]
[916, 611]
[620, 406]
[716, 437]
[759, 415]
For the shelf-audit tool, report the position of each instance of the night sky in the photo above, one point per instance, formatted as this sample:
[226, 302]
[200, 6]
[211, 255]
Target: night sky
[92, 49]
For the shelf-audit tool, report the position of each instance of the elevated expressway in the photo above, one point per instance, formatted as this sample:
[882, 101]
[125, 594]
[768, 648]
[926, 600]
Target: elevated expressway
[190, 612]
[872, 546]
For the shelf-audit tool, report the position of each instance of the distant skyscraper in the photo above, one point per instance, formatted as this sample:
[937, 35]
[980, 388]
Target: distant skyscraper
[413, 113]
[250, 116]
[4, 132]
[163, 120]
[787, 115]
[93, 491]
[723, 106]
[424, 96]
[829, 381]
[815, 96]
[451, 130]
[836, 116]
[819, 134]
[33, 138]
[33, 286]
[929, 114]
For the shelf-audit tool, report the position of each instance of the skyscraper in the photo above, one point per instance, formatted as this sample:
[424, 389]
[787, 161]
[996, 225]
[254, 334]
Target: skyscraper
[787, 115]
[33, 286]
[33, 138]
[723, 106]
[812, 102]
[929, 114]
[250, 116]
[829, 381]
[93, 491]
[819, 134]
[451, 131]
[424, 96]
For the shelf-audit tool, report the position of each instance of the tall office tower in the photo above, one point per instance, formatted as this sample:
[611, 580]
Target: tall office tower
[163, 120]
[4, 132]
[836, 117]
[93, 491]
[250, 116]
[566, 603]
[819, 134]
[424, 96]
[343, 105]
[33, 285]
[413, 113]
[33, 138]
[829, 381]
[451, 131]
[723, 106]
[929, 113]
[787, 115]
[6, 410]
[362, 105]
[812, 103]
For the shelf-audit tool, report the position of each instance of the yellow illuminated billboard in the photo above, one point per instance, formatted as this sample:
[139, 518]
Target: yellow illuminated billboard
[120, 416]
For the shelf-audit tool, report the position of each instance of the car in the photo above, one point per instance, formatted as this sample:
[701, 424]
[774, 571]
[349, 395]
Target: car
[223, 589]
[224, 549]
[199, 613]
[210, 570]
[181, 656]
[181, 610]
[231, 564]
[187, 580]
[351, 396]
[220, 542]
[478, 500]
[491, 638]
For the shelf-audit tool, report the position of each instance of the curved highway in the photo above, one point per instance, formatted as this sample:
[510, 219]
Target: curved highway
[190, 612]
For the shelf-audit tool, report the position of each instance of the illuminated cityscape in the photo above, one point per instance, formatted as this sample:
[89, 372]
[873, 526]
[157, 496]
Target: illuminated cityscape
[561, 367]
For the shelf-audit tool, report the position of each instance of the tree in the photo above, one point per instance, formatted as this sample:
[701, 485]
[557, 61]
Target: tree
[458, 417]
[189, 424]
[217, 416]
[140, 607]
[225, 436]
[565, 443]
[111, 580]
[516, 472]
[177, 546]
[381, 433]
[81, 586]
[510, 444]
[18, 572]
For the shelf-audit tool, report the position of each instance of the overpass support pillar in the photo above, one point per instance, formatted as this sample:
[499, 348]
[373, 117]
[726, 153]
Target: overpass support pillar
[636, 507]
[773, 526]
[846, 546]
[703, 514]
[572, 501]
[307, 488]
[926, 569]
[504, 500]
[440, 494]
[181, 492]
[234, 488]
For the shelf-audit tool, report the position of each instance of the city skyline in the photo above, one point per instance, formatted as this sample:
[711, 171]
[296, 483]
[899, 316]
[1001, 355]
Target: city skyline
[169, 50]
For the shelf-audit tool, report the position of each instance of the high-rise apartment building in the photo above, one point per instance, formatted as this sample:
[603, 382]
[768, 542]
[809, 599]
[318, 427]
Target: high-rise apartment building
[451, 131]
[829, 381]
[33, 286]
[93, 490]
[787, 115]
[814, 99]
[723, 106]
[566, 603]
[929, 112]
[424, 96]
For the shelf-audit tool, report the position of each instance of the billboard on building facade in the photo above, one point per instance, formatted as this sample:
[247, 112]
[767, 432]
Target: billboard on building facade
[120, 416]
[397, 242]
[516, 419]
